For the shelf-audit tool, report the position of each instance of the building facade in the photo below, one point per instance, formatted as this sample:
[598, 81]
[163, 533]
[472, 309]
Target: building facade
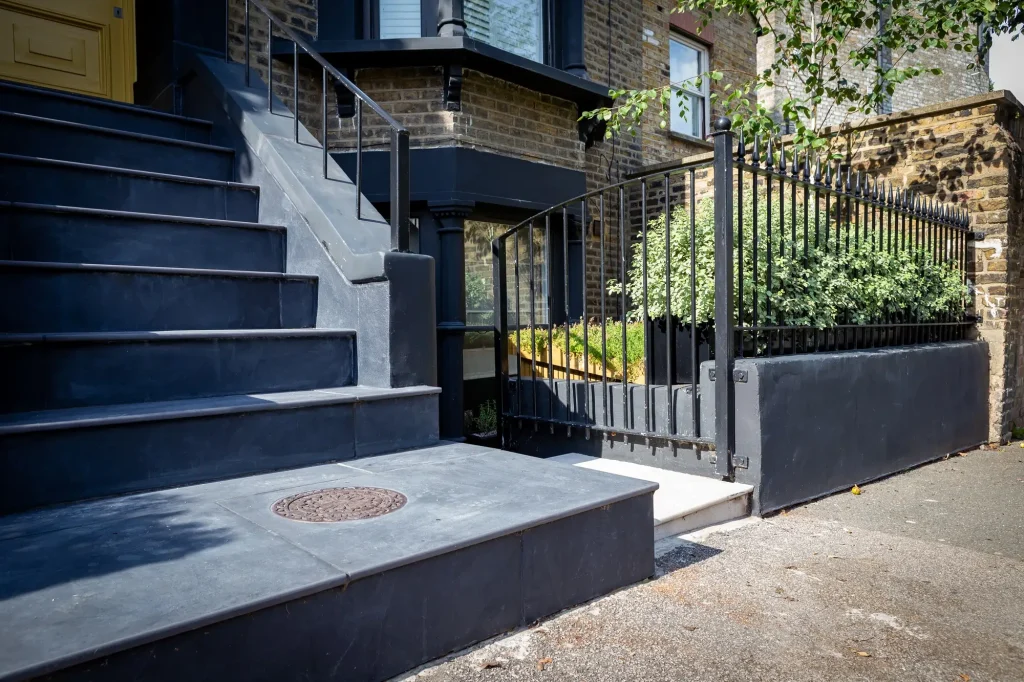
[957, 81]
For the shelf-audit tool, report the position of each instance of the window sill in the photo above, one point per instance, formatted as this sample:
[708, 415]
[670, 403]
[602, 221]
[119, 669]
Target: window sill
[460, 51]
[690, 139]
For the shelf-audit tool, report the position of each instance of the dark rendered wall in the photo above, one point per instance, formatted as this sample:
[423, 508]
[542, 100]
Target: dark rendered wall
[810, 425]
[815, 424]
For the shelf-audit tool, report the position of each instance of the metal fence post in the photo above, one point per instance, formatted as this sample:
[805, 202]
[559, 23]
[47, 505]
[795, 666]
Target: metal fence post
[725, 323]
[399, 190]
[500, 329]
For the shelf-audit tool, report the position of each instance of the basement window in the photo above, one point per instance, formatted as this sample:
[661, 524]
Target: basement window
[687, 61]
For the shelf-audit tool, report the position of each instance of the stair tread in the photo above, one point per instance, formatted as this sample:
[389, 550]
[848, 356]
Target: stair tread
[115, 132]
[105, 415]
[152, 270]
[185, 179]
[104, 103]
[173, 335]
[138, 215]
[215, 551]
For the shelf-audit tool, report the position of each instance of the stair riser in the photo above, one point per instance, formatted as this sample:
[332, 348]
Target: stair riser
[83, 111]
[38, 138]
[49, 301]
[94, 188]
[63, 375]
[44, 468]
[77, 238]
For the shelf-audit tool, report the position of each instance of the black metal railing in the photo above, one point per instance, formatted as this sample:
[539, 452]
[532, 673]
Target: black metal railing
[399, 150]
[578, 287]
[815, 229]
[745, 255]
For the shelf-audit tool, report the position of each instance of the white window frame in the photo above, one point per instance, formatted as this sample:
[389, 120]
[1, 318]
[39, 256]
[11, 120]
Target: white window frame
[703, 92]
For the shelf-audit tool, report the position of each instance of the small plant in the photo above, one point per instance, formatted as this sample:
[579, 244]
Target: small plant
[483, 423]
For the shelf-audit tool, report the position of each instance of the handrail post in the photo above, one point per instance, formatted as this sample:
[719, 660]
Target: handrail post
[725, 323]
[500, 329]
[399, 185]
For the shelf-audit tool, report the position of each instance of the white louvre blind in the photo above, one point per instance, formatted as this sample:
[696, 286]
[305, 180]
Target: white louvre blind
[399, 18]
[512, 25]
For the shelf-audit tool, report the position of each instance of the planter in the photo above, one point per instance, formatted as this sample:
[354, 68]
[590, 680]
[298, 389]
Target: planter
[561, 364]
[655, 358]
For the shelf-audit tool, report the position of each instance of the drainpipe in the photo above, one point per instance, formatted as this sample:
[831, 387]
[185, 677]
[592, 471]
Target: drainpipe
[451, 21]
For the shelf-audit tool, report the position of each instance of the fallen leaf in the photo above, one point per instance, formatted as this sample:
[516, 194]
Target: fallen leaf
[486, 665]
[964, 676]
[544, 663]
[855, 490]
[863, 654]
[689, 628]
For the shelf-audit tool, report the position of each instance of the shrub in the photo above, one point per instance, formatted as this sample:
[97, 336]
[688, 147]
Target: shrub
[855, 282]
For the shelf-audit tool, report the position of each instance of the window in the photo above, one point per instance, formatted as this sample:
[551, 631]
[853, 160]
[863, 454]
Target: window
[687, 61]
[400, 19]
[515, 26]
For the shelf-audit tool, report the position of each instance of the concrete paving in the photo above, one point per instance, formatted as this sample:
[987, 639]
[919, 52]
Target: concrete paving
[921, 577]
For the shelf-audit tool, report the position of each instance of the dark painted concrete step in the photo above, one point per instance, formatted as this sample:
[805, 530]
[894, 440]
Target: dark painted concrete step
[57, 371]
[60, 234]
[54, 139]
[92, 111]
[487, 542]
[60, 297]
[68, 183]
[66, 455]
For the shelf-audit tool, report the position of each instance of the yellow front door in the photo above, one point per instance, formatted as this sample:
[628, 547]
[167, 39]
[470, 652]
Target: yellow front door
[83, 46]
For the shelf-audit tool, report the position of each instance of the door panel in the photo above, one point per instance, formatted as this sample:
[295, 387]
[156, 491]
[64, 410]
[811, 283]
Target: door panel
[85, 46]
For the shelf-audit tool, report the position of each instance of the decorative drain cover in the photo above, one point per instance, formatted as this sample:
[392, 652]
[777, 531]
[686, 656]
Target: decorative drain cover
[339, 504]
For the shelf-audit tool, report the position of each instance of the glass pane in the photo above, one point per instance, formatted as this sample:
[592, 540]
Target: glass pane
[684, 62]
[688, 121]
[512, 25]
[399, 19]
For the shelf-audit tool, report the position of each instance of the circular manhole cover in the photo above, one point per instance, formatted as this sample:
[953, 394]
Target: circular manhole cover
[339, 504]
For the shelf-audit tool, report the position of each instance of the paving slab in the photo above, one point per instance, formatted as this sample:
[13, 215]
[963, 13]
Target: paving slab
[683, 502]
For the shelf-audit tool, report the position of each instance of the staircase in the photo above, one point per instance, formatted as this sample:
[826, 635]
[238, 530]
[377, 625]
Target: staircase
[165, 384]
[151, 334]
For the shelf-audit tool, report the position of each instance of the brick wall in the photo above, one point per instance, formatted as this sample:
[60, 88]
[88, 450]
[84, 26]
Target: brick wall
[969, 153]
[300, 15]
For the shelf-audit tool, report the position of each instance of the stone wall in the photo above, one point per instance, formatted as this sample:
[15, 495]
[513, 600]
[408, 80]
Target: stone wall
[969, 153]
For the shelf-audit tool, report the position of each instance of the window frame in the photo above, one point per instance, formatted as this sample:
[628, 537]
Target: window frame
[549, 34]
[704, 92]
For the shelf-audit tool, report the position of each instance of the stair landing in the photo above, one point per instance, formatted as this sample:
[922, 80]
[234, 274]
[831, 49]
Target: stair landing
[205, 582]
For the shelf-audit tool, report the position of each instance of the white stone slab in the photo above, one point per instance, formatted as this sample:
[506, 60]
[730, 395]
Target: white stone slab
[683, 502]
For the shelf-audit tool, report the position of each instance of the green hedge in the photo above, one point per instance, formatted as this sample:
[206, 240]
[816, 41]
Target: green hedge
[825, 287]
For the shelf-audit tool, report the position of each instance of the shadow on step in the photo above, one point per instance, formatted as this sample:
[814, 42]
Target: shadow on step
[45, 549]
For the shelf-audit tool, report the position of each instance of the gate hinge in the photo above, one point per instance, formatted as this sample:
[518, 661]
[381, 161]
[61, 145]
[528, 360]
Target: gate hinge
[738, 375]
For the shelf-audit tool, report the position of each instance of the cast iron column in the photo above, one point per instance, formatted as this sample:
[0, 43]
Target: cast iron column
[725, 391]
[450, 20]
[451, 312]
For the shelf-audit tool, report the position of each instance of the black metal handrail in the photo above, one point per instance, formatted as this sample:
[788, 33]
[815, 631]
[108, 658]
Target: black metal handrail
[399, 175]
